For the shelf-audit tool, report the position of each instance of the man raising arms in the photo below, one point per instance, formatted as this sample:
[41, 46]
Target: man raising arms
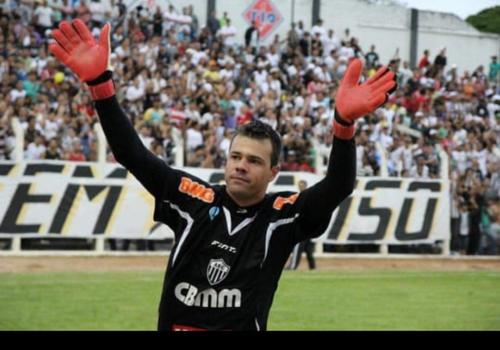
[231, 241]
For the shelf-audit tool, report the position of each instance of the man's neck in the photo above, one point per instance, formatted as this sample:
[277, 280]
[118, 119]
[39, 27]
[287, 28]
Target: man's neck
[243, 202]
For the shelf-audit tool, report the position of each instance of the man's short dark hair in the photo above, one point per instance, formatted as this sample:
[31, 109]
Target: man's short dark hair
[261, 131]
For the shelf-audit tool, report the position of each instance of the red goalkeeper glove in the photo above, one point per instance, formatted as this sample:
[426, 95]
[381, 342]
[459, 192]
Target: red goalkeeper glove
[355, 100]
[76, 48]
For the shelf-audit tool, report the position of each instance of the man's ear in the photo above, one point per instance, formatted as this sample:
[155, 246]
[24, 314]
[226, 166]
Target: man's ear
[274, 171]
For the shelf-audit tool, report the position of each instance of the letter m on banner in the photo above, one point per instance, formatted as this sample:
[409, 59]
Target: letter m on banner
[266, 16]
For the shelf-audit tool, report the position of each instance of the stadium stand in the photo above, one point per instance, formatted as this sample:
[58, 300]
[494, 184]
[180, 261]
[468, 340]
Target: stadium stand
[185, 84]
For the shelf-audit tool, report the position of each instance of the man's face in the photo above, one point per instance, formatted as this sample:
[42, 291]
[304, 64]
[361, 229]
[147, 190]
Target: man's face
[248, 170]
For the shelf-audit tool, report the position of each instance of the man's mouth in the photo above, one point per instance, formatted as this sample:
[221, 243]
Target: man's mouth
[239, 178]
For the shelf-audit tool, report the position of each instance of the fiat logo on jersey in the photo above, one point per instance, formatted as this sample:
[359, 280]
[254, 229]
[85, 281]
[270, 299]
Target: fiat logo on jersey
[217, 271]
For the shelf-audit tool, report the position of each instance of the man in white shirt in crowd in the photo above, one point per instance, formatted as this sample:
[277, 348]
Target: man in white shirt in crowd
[145, 136]
[17, 92]
[404, 74]
[420, 170]
[170, 17]
[260, 75]
[273, 56]
[99, 12]
[135, 91]
[228, 34]
[43, 18]
[347, 50]
[194, 137]
[318, 28]
[35, 149]
[330, 42]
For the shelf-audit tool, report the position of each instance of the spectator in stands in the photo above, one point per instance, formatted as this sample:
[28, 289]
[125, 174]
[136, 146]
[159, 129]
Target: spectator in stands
[476, 202]
[76, 152]
[372, 58]
[440, 60]
[424, 61]
[227, 33]
[420, 170]
[31, 129]
[464, 228]
[494, 72]
[306, 246]
[4, 130]
[213, 23]
[43, 17]
[252, 37]
[82, 11]
[53, 151]
[489, 232]
[36, 149]
[99, 11]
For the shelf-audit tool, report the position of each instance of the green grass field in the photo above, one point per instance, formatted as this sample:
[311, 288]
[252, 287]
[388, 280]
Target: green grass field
[322, 300]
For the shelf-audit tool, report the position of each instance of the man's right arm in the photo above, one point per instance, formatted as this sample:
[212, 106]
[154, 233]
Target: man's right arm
[128, 149]
[76, 48]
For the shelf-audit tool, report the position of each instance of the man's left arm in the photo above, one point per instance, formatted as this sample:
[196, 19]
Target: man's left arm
[316, 204]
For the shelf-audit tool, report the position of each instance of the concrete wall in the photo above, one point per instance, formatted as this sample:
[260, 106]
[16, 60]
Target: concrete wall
[385, 26]
[465, 46]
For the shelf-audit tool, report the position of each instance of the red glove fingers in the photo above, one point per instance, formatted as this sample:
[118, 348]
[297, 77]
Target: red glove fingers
[76, 48]
[61, 39]
[70, 33]
[355, 100]
[85, 34]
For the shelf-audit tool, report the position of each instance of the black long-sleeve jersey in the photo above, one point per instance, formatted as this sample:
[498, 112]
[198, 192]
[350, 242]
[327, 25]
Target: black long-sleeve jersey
[224, 267]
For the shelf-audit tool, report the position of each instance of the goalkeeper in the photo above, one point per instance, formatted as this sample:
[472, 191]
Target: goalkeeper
[231, 241]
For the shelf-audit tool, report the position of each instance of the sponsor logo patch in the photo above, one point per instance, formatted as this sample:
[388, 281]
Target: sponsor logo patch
[279, 202]
[209, 298]
[224, 246]
[196, 190]
[213, 212]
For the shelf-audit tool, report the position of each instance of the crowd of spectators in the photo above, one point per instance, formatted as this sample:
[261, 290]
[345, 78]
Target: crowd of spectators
[183, 83]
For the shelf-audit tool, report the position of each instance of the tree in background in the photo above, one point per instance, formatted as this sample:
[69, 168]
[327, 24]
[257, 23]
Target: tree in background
[486, 20]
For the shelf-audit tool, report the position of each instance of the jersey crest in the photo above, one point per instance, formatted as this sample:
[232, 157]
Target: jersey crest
[217, 271]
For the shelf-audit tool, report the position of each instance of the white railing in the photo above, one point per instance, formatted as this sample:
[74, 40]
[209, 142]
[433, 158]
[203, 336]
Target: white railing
[18, 152]
[101, 143]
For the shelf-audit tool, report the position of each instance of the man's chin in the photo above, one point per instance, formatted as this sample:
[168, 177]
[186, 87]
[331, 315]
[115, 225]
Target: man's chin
[239, 190]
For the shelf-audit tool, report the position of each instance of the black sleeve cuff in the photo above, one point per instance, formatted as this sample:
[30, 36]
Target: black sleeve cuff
[101, 79]
[341, 121]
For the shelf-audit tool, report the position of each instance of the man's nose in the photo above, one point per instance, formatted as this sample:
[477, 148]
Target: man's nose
[241, 166]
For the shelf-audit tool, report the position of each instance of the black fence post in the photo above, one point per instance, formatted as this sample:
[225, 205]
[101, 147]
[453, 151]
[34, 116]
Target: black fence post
[413, 38]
